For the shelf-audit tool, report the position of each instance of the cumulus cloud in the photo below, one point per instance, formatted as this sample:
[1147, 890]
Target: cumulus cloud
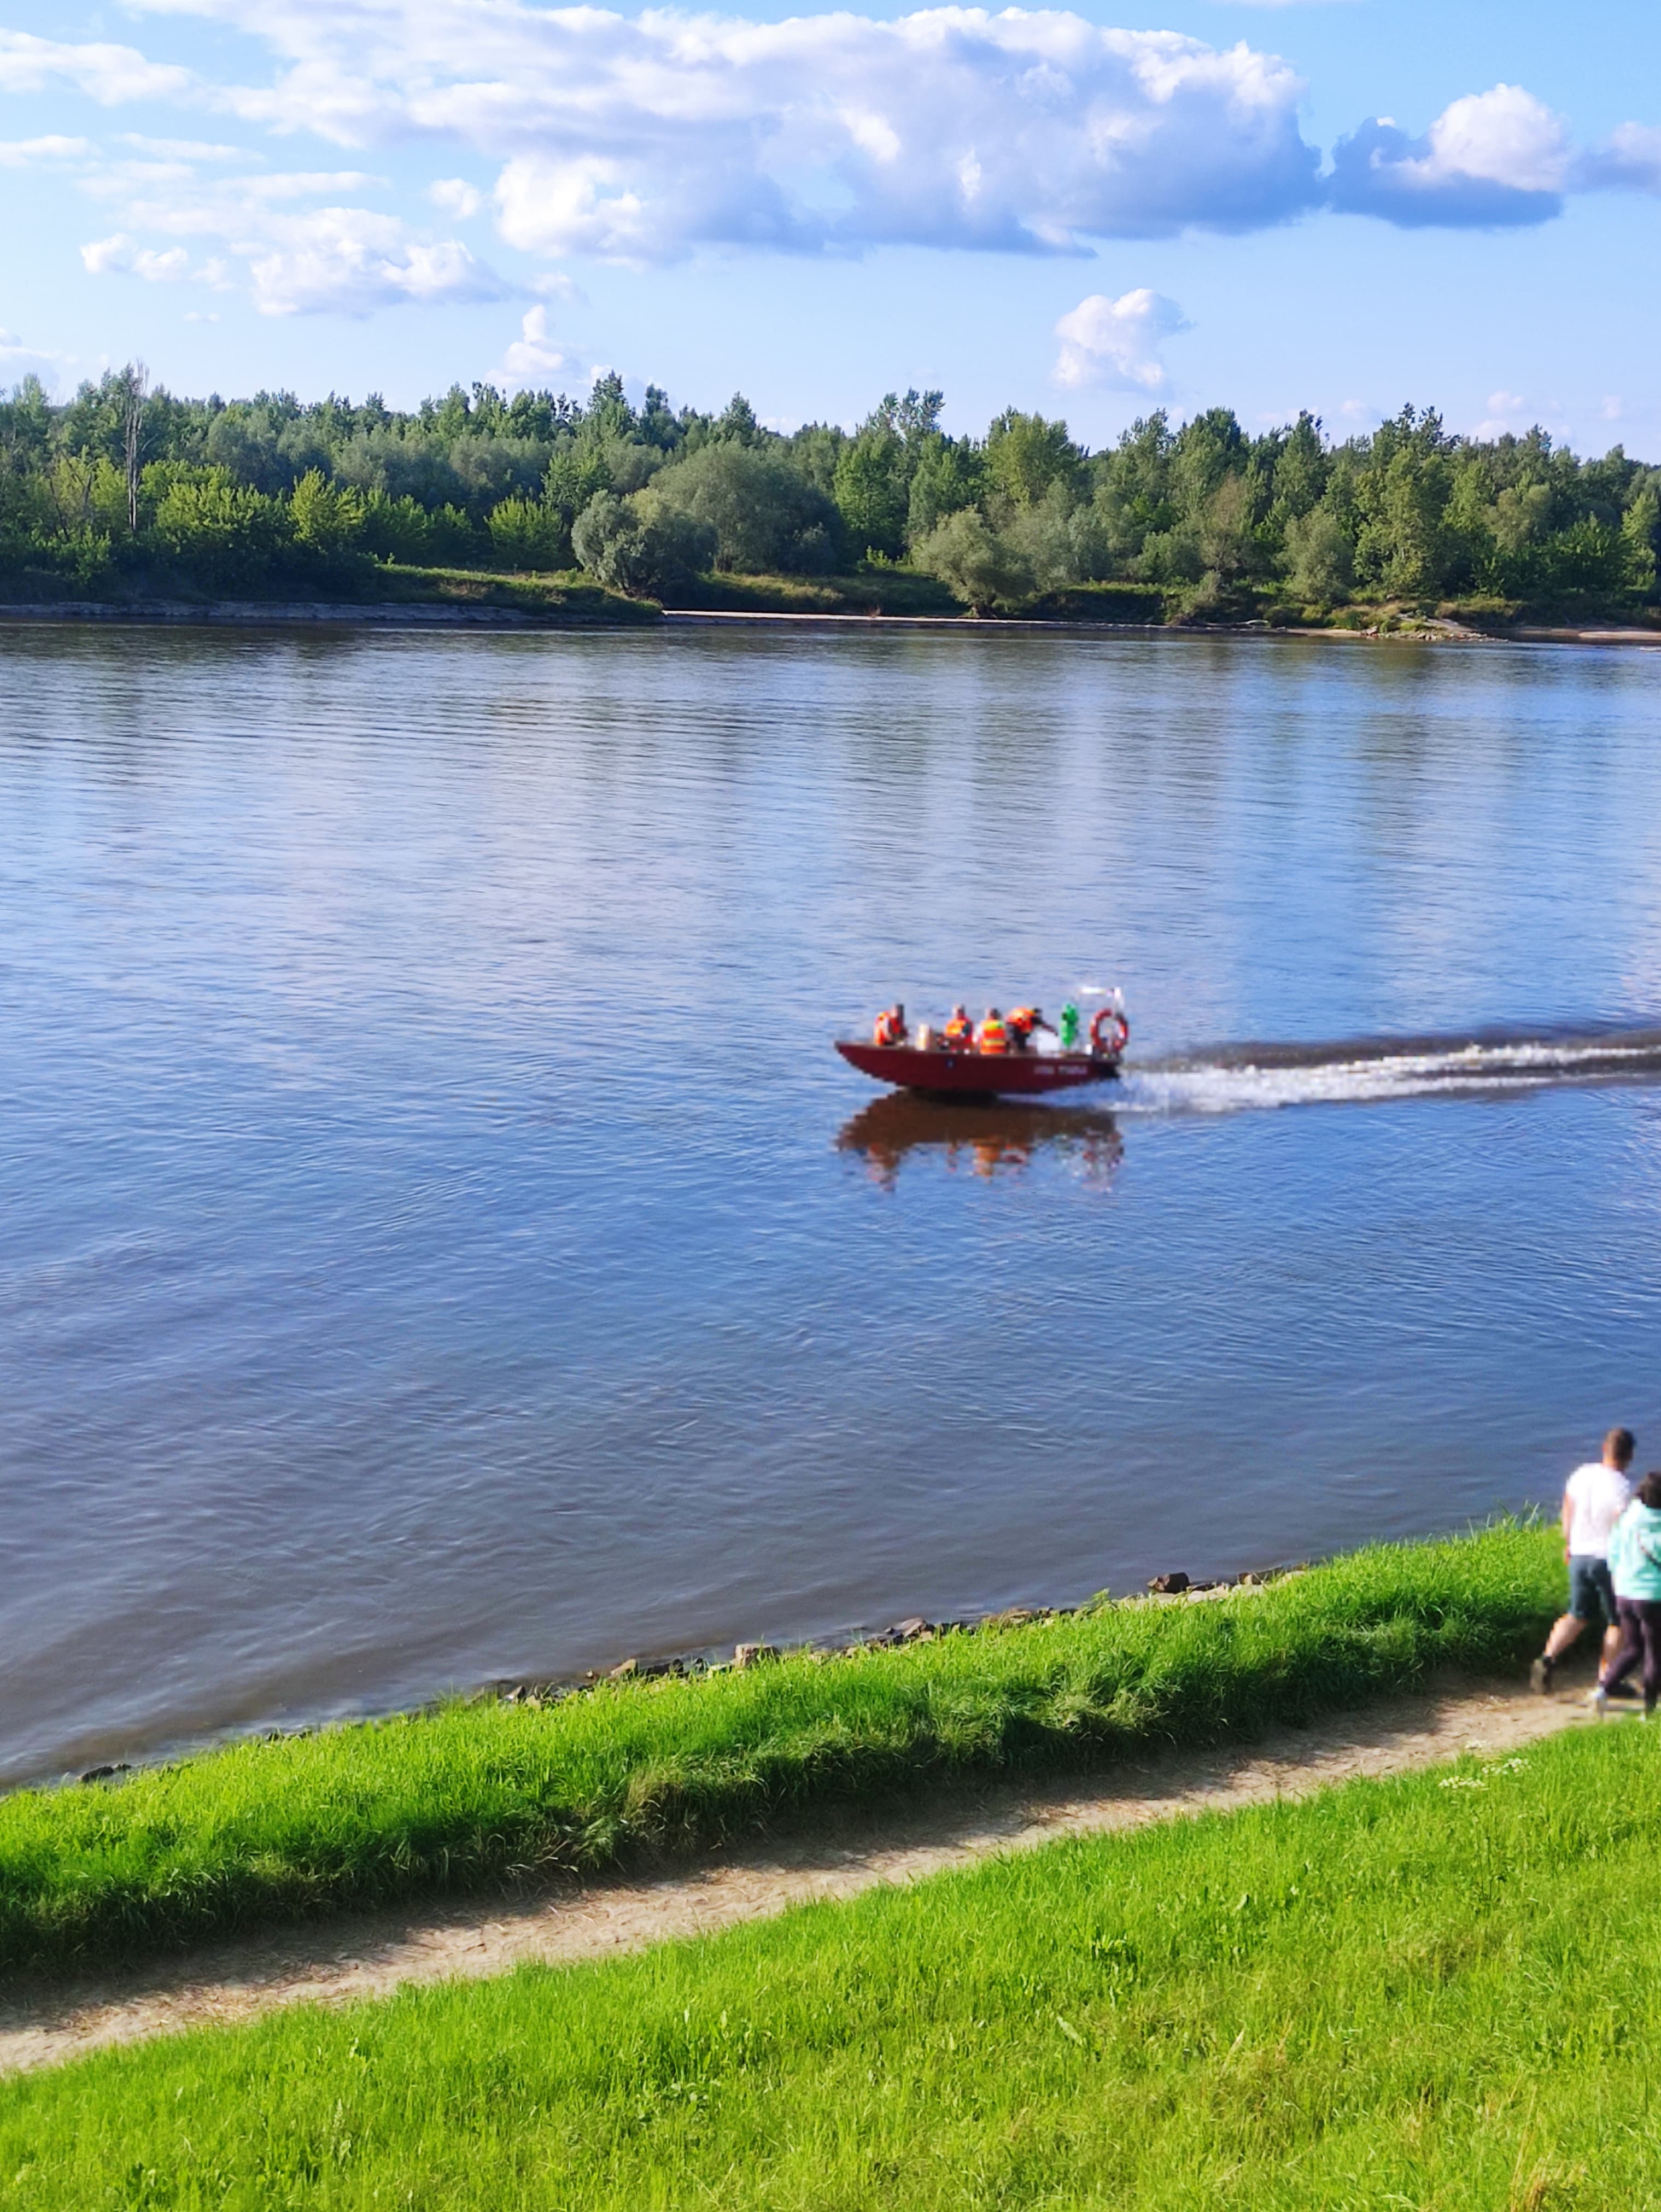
[643, 138]
[1114, 343]
[293, 259]
[351, 261]
[1495, 157]
[647, 138]
[1629, 159]
[534, 358]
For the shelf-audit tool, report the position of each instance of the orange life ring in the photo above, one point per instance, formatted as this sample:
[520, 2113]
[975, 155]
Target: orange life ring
[1108, 1047]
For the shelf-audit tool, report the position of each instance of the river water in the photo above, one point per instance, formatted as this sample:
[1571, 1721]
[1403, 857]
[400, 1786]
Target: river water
[440, 1244]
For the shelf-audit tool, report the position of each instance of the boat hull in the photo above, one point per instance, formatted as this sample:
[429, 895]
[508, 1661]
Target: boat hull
[978, 1074]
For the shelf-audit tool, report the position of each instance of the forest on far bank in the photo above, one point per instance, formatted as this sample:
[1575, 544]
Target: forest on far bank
[125, 488]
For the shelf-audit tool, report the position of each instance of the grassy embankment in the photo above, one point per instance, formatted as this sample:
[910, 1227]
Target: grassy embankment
[477, 1793]
[1442, 1990]
[555, 599]
[570, 596]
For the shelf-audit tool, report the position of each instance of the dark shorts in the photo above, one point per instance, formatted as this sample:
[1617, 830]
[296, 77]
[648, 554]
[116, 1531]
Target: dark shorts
[1591, 1592]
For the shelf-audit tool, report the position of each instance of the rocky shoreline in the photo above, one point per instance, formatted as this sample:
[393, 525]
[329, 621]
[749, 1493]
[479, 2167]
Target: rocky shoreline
[1173, 1588]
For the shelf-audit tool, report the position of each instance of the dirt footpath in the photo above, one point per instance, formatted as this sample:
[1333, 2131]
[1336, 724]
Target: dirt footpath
[337, 1960]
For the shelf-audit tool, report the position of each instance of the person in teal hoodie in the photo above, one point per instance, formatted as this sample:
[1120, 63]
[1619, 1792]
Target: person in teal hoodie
[1635, 1570]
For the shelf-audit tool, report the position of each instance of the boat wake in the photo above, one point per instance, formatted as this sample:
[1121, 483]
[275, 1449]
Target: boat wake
[1246, 1078]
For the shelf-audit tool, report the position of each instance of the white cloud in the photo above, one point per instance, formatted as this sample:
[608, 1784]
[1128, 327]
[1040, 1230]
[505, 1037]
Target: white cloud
[1505, 416]
[18, 360]
[1115, 343]
[534, 358]
[643, 138]
[351, 260]
[1629, 159]
[457, 197]
[646, 138]
[39, 152]
[105, 256]
[1494, 157]
[182, 150]
[334, 258]
[107, 73]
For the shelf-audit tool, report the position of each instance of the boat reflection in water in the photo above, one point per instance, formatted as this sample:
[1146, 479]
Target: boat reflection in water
[986, 1137]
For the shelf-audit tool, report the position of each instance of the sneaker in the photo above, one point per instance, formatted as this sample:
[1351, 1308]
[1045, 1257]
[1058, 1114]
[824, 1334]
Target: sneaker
[1600, 1701]
[1540, 1675]
[1620, 1690]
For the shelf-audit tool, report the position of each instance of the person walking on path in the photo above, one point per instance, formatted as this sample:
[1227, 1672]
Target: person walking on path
[1594, 1499]
[1636, 1569]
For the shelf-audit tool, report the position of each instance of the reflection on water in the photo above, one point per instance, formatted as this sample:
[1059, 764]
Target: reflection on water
[983, 1137]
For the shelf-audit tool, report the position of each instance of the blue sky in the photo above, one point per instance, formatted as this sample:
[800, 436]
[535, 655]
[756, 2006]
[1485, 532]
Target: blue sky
[1337, 204]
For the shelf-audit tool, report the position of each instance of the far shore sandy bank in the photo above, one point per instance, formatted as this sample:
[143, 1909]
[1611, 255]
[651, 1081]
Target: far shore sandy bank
[259, 614]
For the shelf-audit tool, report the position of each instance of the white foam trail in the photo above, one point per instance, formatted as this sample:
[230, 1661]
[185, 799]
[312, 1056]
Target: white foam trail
[1233, 1088]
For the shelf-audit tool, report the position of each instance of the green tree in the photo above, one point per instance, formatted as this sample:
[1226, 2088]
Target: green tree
[223, 532]
[1321, 561]
[950, 475]
[1206, 451]
[1640, 526]
[529, 534]
[327, 519]
[977, 564]
[766, 518]
[871, 489]
[577, 471]
[1302, 466]
[1025, 455]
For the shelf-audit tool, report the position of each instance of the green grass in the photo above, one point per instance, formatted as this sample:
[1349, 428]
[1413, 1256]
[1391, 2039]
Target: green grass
[866, 591]
[1440, 1991]
[570, 596]
[477, 1793]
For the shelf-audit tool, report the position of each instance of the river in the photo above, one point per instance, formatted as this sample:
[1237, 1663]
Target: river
[440, 1244]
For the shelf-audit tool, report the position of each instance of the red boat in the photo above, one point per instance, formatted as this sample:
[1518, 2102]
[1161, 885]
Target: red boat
[943, 1074]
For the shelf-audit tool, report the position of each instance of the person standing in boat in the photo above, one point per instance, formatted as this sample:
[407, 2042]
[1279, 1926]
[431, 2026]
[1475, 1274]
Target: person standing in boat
[1022, 1022]
[890, 1027]
[1594, 1499]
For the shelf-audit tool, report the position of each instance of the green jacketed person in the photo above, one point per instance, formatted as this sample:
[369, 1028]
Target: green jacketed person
[1068, 1032]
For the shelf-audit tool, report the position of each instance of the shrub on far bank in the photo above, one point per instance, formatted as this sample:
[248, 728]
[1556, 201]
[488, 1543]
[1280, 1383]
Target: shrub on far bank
[630, 548]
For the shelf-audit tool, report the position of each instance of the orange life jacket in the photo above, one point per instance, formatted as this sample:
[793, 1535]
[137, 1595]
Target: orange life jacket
[960, 1030]
[890, 1029]
[993, 1037]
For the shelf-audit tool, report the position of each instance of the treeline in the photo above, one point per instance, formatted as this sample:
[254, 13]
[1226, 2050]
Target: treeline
[123, 480]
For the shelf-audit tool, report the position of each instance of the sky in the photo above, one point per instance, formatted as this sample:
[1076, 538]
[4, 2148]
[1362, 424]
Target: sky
[1336, 205]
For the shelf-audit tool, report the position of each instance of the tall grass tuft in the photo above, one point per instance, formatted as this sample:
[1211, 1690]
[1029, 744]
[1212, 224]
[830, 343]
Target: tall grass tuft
[477, 1793]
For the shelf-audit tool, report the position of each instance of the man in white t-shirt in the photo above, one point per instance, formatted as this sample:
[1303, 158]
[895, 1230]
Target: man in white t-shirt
[1594, 1499]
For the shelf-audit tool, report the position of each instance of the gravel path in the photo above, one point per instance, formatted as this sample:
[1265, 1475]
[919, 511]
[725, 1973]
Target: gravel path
[335, 1961]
